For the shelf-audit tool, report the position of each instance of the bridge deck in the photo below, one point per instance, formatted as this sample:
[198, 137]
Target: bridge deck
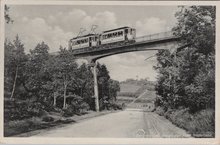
[158, 37]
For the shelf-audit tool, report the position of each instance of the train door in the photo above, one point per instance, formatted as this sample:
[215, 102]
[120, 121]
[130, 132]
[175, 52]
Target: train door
[94, 41]
[99, 39]
[130, 34]
[133, 32]
[90, 41]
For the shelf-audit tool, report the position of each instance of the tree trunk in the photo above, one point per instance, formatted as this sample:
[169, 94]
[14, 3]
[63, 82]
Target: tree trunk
[54, 99]
[14, 85]
[64, 95]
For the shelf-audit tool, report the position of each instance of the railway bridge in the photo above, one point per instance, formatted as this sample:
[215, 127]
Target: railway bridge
[158, 41]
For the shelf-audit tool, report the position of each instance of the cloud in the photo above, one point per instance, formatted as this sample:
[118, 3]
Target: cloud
[150, 25]
[76, 19]
[36, 30]
[130, 65]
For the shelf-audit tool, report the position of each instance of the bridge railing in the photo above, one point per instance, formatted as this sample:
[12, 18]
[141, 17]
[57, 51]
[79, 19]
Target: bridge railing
[155, 36]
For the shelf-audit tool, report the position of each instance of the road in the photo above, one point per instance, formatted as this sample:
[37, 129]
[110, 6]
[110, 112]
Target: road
[130, 123]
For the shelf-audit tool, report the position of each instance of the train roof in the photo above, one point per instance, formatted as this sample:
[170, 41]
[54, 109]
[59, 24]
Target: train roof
[116, 29]
[83, 36]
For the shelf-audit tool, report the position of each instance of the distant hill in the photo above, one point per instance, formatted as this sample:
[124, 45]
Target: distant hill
[133, 88]
[130, 89]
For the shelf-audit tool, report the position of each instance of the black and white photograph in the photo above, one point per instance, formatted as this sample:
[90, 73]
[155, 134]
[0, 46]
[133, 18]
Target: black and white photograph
[109, 70]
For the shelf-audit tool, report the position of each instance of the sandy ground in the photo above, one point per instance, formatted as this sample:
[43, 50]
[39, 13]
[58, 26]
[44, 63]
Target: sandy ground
[130, 123]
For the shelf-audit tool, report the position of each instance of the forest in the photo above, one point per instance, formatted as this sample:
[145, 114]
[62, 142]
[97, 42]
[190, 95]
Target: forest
[52, 81]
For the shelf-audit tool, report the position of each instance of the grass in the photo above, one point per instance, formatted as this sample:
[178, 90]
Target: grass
[199, 124]
[20, 126]
[130, 88]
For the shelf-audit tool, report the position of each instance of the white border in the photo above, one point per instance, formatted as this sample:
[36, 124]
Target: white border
[38, 140]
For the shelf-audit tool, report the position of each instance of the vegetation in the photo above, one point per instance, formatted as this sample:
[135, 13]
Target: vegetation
[8, 19]
[39, 83]
[133, 88]
[187, 77]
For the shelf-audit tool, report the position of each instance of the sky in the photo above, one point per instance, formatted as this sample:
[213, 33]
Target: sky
[56, 24]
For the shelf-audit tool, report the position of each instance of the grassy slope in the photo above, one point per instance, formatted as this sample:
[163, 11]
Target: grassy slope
[198, 124]
[131, 90]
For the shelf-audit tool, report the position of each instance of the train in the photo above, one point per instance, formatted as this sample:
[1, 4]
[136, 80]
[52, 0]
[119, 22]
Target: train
[118, 36]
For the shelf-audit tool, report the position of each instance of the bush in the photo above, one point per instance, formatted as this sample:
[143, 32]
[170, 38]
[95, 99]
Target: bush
[20, 126]
[203, 123]
[47, 119]
[116, 106]
[199, 124]
[160, 111]
[70, 111]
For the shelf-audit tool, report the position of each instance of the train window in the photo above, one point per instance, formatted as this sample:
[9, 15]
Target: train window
[120, 33]
[126, 31]
[114, 34]
[93, 38]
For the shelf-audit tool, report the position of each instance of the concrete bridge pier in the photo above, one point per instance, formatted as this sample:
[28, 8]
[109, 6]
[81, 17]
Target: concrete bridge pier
[93, 65]
[96, 91]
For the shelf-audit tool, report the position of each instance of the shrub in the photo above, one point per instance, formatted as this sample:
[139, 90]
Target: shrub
[47, 119]
[160, 111]
[203, 123]
[70, 111]
[199, 124]
[116, 106]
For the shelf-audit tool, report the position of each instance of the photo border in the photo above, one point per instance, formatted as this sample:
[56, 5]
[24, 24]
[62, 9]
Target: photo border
[61, 140]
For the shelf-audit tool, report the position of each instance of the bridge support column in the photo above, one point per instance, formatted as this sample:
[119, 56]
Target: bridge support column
[96, 91]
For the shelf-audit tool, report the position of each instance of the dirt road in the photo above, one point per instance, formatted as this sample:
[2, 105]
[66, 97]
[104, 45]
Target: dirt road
[130, 123]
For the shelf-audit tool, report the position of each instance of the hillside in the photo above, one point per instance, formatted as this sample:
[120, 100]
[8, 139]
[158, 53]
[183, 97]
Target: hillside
[131, 89]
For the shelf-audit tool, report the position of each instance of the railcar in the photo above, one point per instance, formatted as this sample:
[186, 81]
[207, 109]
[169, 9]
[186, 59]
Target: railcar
[86, 41]
[123, 34]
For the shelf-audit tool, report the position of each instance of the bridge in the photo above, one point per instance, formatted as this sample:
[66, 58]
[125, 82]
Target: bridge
[158, 41]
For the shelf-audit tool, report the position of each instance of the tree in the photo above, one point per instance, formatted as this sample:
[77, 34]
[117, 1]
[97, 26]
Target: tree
[36, 73]
[114, 87]
[196, 26]
[85, 84]
[65, 69]
[15, 59]
[187, 78]
[103, 77]
[7, 16]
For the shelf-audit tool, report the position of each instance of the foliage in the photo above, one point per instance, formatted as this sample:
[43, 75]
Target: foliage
[36, 75]
[199, 124]
[40, 82]
[15, 59]
[7, 16]
[187, 77]
[114, 87]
